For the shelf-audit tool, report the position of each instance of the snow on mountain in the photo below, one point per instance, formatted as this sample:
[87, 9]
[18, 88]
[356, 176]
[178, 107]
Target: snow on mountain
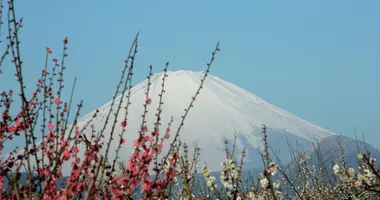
[221, 110]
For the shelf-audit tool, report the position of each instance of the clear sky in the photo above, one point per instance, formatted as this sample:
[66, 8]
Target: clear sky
[317, 59]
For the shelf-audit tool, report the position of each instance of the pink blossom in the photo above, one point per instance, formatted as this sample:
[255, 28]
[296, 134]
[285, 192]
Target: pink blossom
[148, 101]
[51, 126]
[145, 129]
[124, 123]
[129, 165]
[66, 154]
[58, 101]
[146, 185]
[75, 150]
[122, 141]
[135, 143]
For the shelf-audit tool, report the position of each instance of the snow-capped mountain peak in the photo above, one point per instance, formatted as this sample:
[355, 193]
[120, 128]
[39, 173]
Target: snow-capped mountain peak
[221, 110]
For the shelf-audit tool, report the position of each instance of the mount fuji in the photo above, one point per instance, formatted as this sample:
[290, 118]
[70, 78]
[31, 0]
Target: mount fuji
[222, 111]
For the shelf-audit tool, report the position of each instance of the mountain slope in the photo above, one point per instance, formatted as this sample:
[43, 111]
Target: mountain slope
[330, 151]
[221, 110]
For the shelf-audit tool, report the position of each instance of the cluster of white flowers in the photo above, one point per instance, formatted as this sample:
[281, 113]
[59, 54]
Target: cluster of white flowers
[350, 179]
[347, 176]
[271, 171]
[210, 179]
[252, 195]
[309, 182]
[116, 174]
[336, 169]
[167, 165]
[230, 173]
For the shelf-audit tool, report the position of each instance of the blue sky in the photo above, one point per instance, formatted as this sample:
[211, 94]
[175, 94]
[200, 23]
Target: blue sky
[317, 59]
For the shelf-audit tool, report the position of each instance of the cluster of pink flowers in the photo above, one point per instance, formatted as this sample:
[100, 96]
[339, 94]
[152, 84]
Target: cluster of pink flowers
[59, 146]
[137, 169]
